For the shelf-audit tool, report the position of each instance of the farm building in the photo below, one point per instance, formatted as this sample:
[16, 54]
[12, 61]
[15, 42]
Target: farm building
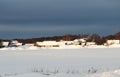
[15, 43]
[47, 44]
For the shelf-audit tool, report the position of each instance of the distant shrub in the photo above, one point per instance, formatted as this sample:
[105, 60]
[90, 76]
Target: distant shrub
[1, 44]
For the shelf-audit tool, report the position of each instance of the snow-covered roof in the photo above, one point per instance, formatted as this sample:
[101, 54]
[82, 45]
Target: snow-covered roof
[76, 40]
[82, 40]
[14, 41]
[79, 40]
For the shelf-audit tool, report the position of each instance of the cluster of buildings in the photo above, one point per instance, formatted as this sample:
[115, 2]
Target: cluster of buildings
[76, 42]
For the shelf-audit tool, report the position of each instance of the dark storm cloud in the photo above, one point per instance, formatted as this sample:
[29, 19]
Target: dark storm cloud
[59, 16]
[27, 31]
[27, 10]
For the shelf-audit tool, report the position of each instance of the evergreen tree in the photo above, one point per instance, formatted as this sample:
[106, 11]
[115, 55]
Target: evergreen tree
[1, 44]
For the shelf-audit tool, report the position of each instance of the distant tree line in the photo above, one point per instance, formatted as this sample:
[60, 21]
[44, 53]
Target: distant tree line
[89, 38]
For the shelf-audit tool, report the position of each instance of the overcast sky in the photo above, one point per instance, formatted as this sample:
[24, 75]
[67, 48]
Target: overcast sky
[37, 18]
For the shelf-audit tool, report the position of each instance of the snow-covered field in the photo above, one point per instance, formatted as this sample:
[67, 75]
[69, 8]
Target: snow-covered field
[82, 62]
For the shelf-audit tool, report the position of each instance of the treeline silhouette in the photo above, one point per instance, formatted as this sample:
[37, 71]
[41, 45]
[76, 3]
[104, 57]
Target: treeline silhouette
[89, 38]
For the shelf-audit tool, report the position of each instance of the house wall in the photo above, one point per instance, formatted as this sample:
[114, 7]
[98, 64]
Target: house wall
[90, 43]
[5, 44]
[113, 41]
[48, 44]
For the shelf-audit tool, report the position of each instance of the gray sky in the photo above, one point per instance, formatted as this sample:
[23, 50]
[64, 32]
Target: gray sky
[36, 18]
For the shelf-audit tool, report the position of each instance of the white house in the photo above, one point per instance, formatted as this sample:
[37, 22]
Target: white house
[5, 43]
[15, 43]
[48, 44]
[79, 42]
[76, 42]
[110, 42]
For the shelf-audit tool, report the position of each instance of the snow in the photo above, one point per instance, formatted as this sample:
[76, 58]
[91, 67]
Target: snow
[31, 61]
[115, 73]
[61, 46]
